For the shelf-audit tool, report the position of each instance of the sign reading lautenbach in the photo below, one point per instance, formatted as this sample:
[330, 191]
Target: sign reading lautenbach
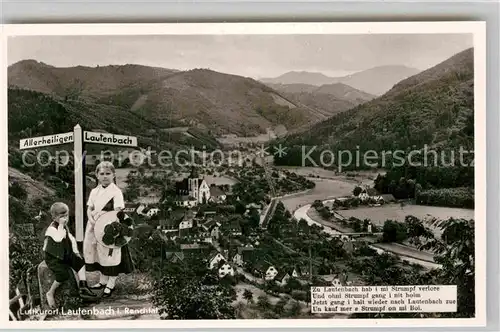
[110, 139]
[37, 142]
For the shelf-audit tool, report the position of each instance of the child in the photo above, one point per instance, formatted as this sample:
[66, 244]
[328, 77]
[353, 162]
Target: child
[61, 253]
[105, 197]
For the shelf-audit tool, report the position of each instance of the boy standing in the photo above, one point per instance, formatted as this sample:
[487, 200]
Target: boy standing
[61, 253]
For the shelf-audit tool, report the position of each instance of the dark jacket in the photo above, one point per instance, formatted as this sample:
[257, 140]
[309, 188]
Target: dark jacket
[56, 240]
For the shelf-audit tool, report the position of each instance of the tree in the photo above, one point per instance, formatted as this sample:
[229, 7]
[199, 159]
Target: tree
[254, 218]
[294, 310]
[248, 295]
[455, 251]
[263, 302]
[194, 301]
[317, 204]
[357, 190]
[24, 253]
[394, 231]
[417, 230]
[357, 226]
[192, 292]
[279, 307]
[18, 191]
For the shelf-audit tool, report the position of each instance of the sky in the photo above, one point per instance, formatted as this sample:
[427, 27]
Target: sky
[255, 56]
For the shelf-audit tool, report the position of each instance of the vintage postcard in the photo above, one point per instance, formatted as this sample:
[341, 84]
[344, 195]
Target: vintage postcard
[244, 175]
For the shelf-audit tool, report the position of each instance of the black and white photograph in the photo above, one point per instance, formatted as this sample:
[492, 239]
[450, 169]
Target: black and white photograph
[273, 173]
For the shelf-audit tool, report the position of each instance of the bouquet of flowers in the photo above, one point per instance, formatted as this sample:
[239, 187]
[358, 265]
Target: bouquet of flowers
[115, 232]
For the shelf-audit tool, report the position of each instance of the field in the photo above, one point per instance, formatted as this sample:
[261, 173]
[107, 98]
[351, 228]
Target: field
[365, 177]
[393, 211]
[262, 138]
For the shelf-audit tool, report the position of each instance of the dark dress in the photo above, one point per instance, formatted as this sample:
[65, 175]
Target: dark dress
[126, 265]
[60, 257]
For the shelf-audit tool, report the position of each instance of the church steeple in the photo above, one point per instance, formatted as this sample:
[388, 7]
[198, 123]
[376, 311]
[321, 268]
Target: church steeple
[194, 173]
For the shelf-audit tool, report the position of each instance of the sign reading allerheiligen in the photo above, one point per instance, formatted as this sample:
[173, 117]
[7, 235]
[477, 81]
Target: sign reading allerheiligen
[37, 142]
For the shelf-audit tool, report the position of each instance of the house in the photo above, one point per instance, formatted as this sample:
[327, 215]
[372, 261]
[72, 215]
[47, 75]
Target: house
[282, 278]
[203, 237]
[238, 259]
[251, 206]
[369, 193]
[130, 208]
[208, 225]
[336, 282]
[209, 213]
[232, 227]
[186, 224]
[341, 279]
[296, 272]
[187, 221]
[214, 259]
[186, 228]
[140, 209]
[217, 195]
[192, 190]
[225, 269]
[235, 229]
[208, 239]
[186, 201]
[195, 248]
[145, 210]
[243, 254]
[215, 232]
[266, 270]
[149, 199]
[152, 212]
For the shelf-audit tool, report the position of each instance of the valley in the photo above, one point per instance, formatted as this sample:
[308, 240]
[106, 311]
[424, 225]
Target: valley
[248, 238]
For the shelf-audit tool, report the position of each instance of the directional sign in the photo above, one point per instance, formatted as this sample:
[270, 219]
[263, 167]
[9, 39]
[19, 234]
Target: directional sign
[37, 142]
[109, 139]
[78, 137]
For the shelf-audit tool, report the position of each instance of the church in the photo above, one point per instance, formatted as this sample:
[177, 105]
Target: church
[192, 190]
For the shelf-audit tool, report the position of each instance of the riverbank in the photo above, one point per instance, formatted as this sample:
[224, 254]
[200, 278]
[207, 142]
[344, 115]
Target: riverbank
[405, 253]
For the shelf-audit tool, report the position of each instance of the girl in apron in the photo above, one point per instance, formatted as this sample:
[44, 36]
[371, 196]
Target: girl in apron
[105, 197]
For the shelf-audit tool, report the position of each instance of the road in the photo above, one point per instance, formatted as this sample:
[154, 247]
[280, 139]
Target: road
[301, 213]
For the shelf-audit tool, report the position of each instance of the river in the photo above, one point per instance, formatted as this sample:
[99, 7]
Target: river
[327, 189]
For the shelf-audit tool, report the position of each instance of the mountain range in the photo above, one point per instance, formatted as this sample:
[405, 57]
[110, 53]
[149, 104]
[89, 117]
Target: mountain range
[434, 108]
[145, 100]
[375, 81]
[328, 99]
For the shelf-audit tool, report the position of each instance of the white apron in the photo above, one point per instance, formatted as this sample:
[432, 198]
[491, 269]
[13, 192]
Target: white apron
[93, 251]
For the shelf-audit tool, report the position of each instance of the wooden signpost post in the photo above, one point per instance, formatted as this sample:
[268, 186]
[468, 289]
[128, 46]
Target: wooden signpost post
[78, 137]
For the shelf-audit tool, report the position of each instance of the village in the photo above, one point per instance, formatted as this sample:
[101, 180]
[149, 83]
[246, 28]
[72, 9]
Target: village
[228, 222]
[267, 234]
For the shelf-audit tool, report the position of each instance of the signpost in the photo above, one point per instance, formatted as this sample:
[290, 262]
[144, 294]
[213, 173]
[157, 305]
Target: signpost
[78, 138]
